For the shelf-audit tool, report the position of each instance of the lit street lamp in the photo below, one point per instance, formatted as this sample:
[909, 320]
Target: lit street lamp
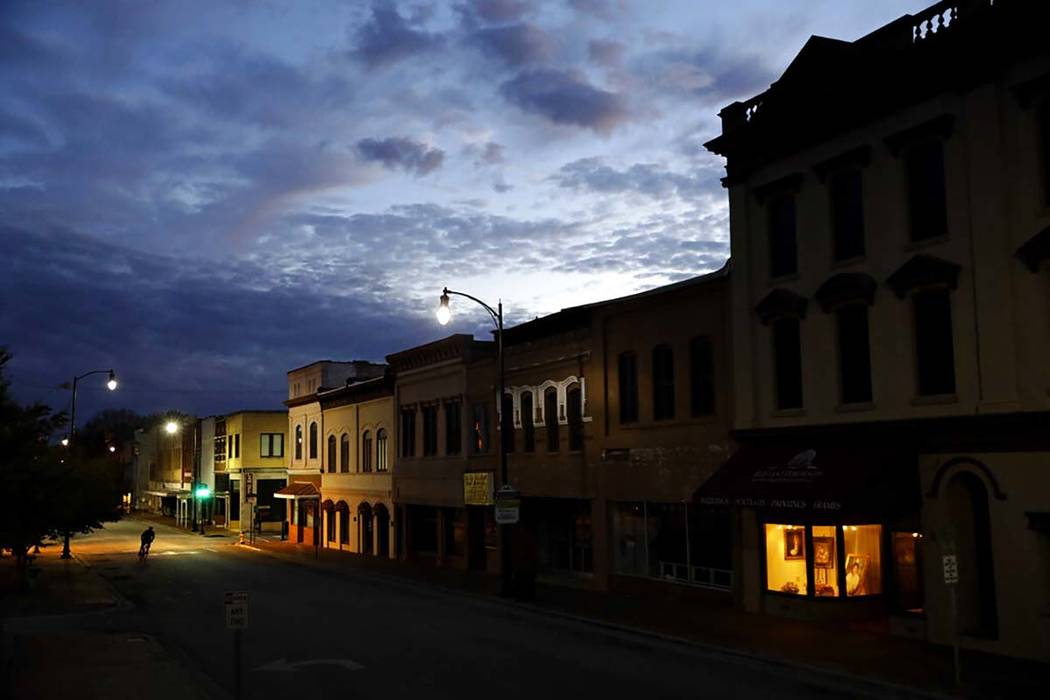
[111, 384]
[444, 315]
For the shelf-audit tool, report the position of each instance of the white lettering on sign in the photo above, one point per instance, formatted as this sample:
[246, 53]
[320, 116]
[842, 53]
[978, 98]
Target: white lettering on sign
[951, 568]
[236, 610]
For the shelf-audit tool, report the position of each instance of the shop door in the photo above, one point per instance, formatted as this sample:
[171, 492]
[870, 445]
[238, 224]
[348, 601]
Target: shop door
[477, 560]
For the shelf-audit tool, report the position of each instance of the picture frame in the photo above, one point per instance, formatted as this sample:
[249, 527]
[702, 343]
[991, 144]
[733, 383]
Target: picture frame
[856, 580]
[794, 544]
[824, 552]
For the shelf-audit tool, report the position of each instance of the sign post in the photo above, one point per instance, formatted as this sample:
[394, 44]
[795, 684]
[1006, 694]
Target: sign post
[236, 620]
[508, 505]
[950, 565]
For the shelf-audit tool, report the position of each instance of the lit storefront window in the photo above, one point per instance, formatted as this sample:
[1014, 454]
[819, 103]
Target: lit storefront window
[790, 570]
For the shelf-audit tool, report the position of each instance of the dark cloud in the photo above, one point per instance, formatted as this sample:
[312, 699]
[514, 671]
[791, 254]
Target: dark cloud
[514, 44]
[565, 97]
[388, 38]
[604, 9]
[716, 73]
[500, 10]
[402, 153]
[592, 174]
[606, 53]
[493, 153]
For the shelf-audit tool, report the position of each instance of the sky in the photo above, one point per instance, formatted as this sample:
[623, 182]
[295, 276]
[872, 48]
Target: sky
[204, 195]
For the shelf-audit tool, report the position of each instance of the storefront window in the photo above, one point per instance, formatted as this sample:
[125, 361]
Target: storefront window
[629, 531]
[667, 541]
[863, 559]
[825, 561]
[786, 559]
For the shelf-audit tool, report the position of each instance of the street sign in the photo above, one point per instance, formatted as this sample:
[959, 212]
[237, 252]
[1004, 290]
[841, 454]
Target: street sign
[508, 505]
[477, 489]
[236, 610]
[249, 484]
[951, 568]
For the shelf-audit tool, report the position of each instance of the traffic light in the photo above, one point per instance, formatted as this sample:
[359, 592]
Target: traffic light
[202, 492]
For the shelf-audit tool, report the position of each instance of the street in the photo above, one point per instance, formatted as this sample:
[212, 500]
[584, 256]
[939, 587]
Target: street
[355, 634]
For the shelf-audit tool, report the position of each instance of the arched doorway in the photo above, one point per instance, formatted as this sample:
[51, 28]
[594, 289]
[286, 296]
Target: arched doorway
[383, 530]
[364, 529]
[329, 521]
[967, 499]
[343, 513]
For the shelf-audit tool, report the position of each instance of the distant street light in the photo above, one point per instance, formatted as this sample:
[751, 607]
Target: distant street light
[112, 448]
[171, 427]
[111, 384]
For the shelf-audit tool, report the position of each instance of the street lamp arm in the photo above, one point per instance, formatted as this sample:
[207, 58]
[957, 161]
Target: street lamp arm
[94, 371]
[497, 316]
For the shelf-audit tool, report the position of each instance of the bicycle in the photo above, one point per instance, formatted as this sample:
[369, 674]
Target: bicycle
[144, 551]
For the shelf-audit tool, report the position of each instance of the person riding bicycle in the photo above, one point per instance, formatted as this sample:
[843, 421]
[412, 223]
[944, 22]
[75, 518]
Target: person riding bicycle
[147, 539]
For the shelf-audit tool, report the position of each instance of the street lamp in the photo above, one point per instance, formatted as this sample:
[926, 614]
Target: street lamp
[111, 384]
[171, 427]
[444, 315]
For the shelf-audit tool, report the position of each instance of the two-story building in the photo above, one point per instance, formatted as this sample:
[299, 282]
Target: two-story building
[255, 467]
[890, 226]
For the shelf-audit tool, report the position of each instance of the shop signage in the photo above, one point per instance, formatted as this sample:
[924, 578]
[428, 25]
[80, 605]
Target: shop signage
[951, 568]
[249, 484]
[508, 505]
[477, 489]
[236, 610]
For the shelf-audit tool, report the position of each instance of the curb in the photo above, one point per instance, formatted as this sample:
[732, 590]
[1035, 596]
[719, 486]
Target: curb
[816, 675]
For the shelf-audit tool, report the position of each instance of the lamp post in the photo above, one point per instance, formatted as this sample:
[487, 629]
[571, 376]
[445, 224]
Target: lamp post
[171, 427]
[111, 384]
[444, 315]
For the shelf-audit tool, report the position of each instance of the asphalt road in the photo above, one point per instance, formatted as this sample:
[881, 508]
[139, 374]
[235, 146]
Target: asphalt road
[314, 634]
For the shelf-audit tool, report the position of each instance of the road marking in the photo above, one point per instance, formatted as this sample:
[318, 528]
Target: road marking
[286, 665]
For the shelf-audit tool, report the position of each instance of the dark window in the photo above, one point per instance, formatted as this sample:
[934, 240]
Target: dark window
[298, 442]
[381, 461]
[430, 431]
[628, 387]
[663, 382]
[574, 411]
[480, 429]
[702, 376]
[528, 429]
[847, 214]
[235, 500]
[331, 453]
[1044, 148]
[271, 445]
[313, 441]
[550, 417]
[506, 433]
[783, 253]
[926, 204]
[344, 523]
[854, 354]
[453, 428]
[366, 451]
[344, 452]
[237, 445]
[330, 527]
[787, 352]
[935, 355]
[408, 432]
[229, 447]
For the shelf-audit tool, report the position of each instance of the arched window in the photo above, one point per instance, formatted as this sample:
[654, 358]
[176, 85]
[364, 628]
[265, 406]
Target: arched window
[968, 508]
[331, 453]
[550, 417]
[298, 442]
[344, 522]
[344, 453]
[313, 441]
[366, 451]
[574, 411]
[528, 437]
[381, 458]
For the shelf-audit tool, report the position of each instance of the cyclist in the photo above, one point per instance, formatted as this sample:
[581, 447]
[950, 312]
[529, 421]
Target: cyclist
[147, 539]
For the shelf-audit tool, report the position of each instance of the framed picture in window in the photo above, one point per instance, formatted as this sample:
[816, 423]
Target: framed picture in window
[823, 552]
[794, 544]
[856, 573]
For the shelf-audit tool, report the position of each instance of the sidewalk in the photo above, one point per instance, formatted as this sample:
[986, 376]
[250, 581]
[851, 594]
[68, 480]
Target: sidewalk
[55, 586]
[857, 651]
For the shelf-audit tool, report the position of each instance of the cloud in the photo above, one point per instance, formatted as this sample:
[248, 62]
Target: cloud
[493, 153]
[593, 175]
[403, 153]
[606, 53]
[388, 38]
[565, 97]
[500, 10]
[514, 44]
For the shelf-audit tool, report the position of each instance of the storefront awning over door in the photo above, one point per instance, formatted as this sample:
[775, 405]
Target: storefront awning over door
[832, 482]
[298, 491]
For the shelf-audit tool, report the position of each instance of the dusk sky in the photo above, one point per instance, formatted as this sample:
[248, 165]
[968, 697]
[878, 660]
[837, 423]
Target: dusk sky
[204, 195]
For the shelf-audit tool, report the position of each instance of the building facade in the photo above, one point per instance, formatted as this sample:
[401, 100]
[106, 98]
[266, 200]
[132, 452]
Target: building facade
[255, 466]
[890, 225]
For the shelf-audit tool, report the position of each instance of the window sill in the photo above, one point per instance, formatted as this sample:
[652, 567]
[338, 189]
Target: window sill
[935, 400]
[788, 412]
[855, 407]
[789, 277]
[697, 420]
[926, 243]
[848, 262]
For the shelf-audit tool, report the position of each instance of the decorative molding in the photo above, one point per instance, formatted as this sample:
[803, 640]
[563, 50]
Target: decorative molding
[1035, 250]
[538, 404]
[781, 303]
[1032, 91]
[846, 287]
[975, 465]
[940, 127]
[923, 271]
[788, 184]
[859, 157]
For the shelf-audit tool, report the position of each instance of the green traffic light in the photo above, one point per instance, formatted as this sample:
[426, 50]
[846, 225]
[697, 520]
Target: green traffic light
[203, 492]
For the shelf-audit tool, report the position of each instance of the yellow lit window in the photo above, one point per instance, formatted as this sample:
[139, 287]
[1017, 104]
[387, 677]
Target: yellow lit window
[863, 559]
[786, 558]
[825, 561]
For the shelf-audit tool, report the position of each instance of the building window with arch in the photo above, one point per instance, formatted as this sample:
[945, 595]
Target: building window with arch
[381, 456]
[854, 353]
[847, 214]
[628, 376]
[430, 431]
[480, 429]
[344, 522]
[783, 248]
[408, 432]
[574, 411]
[663, 382]
[528, 430]
[298, 443]
[927, 209]
[313, 441]
[366, 451]
[453, 428]
[934, 348]
[550, 417]
[331, 454]
[787, 360]
[344, 453]
[701, 376]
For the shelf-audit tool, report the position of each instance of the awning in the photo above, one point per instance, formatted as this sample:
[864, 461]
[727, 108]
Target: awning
[816, 481]
[177, 494]
[297, 491]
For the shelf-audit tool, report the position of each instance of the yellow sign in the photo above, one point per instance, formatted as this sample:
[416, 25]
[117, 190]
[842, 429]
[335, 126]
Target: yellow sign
[477, 488]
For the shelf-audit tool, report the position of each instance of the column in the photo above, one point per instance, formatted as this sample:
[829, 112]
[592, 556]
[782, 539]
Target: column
[375, 533]
[394, 512]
